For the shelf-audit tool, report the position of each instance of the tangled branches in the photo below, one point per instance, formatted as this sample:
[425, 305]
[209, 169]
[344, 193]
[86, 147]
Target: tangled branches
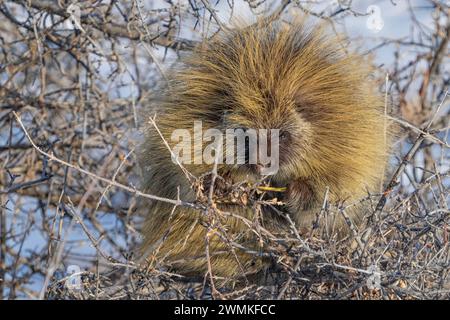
[72, 85]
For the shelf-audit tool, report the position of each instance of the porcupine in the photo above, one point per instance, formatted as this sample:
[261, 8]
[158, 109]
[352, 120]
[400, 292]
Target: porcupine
[293, 77]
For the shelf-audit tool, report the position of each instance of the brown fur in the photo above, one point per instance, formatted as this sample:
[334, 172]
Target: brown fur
[292, 77]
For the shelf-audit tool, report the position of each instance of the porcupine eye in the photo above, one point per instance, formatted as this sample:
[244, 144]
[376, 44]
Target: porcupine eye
[284, 136]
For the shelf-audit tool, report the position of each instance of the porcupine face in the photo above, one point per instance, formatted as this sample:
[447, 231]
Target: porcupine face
[292, 132]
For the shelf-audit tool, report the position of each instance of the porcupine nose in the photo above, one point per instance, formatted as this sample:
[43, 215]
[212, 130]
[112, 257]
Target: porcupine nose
[264, 145]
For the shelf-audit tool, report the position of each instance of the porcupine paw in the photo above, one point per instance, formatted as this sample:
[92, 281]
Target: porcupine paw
[299, 196]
